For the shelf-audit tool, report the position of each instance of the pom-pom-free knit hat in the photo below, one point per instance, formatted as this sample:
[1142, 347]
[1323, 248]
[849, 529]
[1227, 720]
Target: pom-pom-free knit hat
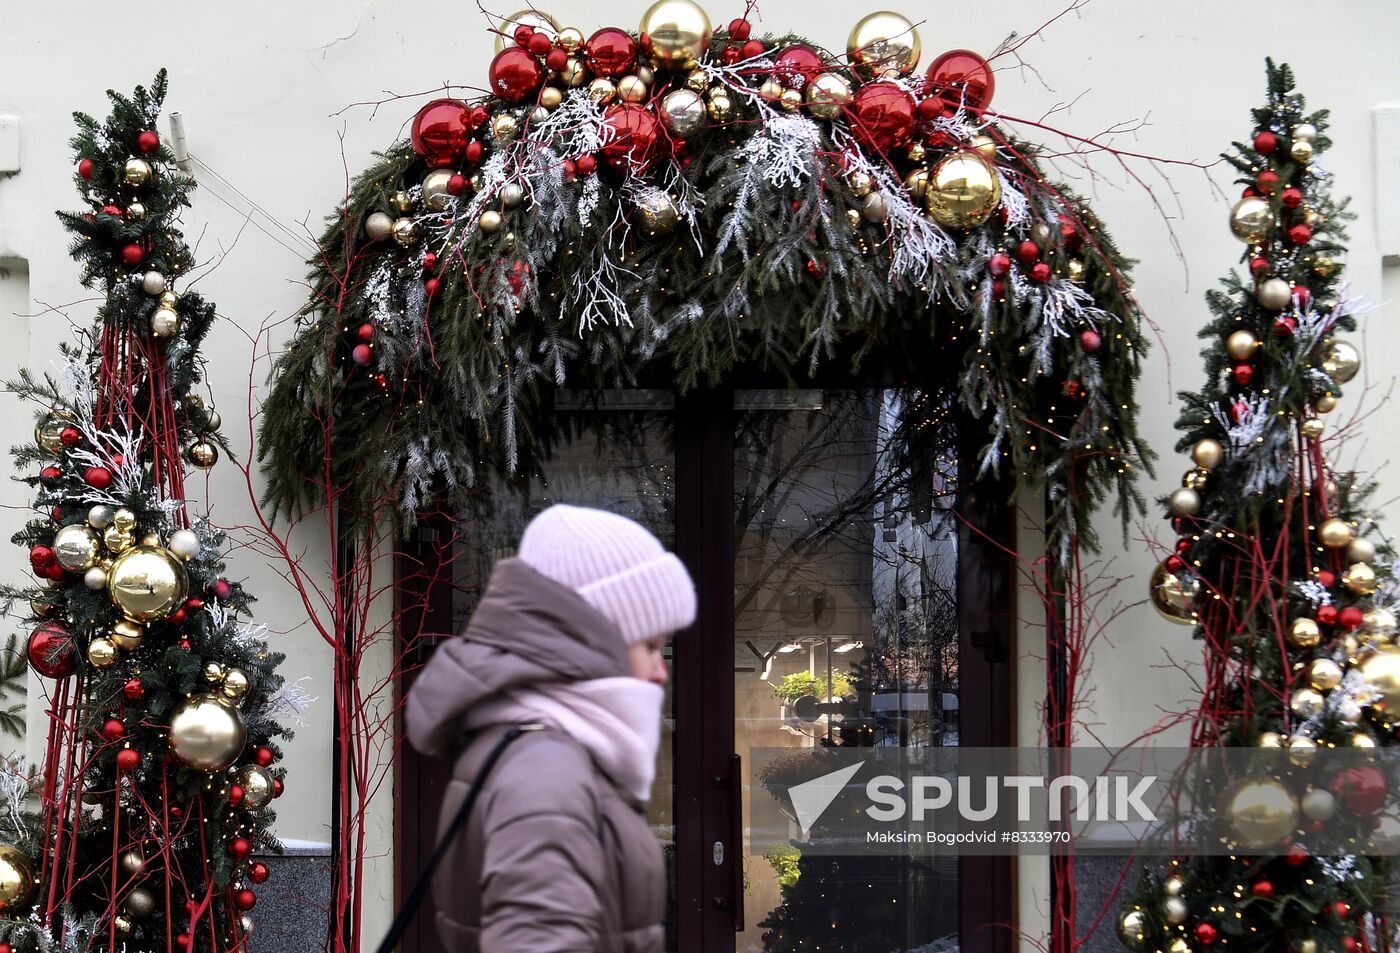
[616, 565]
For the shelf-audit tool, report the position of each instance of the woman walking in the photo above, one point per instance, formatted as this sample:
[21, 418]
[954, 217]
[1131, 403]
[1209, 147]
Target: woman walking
[556, 854]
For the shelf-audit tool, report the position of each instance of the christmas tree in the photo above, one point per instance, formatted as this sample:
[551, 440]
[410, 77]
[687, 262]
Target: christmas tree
[162, 701]
[1278, 564]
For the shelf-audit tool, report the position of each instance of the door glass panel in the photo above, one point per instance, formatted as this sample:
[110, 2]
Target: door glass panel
[845, 633]
[614, 451]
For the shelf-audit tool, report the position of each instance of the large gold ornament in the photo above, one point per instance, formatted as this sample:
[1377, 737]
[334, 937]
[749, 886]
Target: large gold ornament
[257, 785]
[1324, 674]
[674, 34]
[1184, 502]
[883, 43]
[1208, 454]
[1334, 533]
[235, 684]
[1360, 579]
[202, 454]
[1304, 633]
[136, 172]
[1382, 672]
[683, 112]
[128, 635]
[1378, 622]
[435, 194]
[1174, 596]
[16, 880]
[1132, 928]
[1251, 219]
[1240, 345]
[963, 191]
[1341, 362]
[165, 322]
[48, 432]
[1261, 813]
[147, 583]
[76, 548]
[405, 231]
[1305, 703]
[102, 653]
[827, 95]
[207, 733]
[535, 19]
[657, 213]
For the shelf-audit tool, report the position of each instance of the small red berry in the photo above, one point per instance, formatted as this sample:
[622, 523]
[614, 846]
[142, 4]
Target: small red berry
[366, 332]
[1341, 908]
[1206, 933]
[1327, 578]
[277, 787]
[183, 941]
[931, 108]
[1175, 563]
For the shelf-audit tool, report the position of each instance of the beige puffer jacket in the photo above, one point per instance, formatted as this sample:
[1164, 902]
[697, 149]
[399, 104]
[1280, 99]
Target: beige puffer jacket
[555, 858]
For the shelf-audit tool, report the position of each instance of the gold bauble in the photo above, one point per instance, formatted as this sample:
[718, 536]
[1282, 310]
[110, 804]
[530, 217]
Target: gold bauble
[140, 903]
[512, 194]
[602, 91]
[124, 519]
[378, 225]
[574, 74]
[1334, 533]
[1341, 362]
[536, 19]
[1251, 219]
[1207, 454]
[1132, 928]
[1273, 294]
[48, 432]
[147, 583]
[1382, 671]
[165, 322]
[1304, 633]
[214, 672]
[657, 213]
[168, 299]
[1362, 740]
[571, 39]
[1268, 739]
[1074, 270]
[1378, 621]
[963, 191]
[16, 880]
[1174, 910]
[76, 547]
[257, 785]
[1174, 596]
[985, 146]
[1305, 703]
[1240, 345]
[1360, 579]
[916, 152]
[132, 862]
[207, 733]
[202, 454]
[118, 540]
[675, 34]
[875, 208]
[1261, 813]
[136, 212]
[490, 221]
[122, 924]
[683, 112]
[505, 126]
[771, 90]
[405, 231]
[1312, 428]
[1302, 750]
[697, 81]
[791, 100]
[854, 217]
[631, 89]
[1307, 945]
[42, 608]
[136, 172]
[102, 653]
[827, 95]
[1174, 886]
[916, 184]
[1301, 150]
[1324, 266]
[1324, 674]
[719, 107]
[435, 194]
[153, 283]
[1184, 502]
[860, 184]
[1325, 403]
[1178, 944]
[1361, 550]
[1195, 478]
[235, 684]
[883, 43]
[403, 202]
[551, 97]
[128, 635]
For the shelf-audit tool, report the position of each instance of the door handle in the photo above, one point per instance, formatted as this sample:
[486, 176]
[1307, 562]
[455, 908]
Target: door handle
[736, 828]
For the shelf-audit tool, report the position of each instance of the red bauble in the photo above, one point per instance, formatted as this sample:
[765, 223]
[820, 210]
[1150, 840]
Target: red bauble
[636, 139]
[610, 52]
[51, 650]
[99, 478]
[1292, 198]
[1262, 889]
[586, 165]
[277, 787]
[113, 729]
[432, 286]
[1090, 340]
[129, 759]
[147, 141]
[539, 44]
[70, 436]
[475, 150]
[1183, 545]
[245, 900]
[752, 48]
[522, 33]
[1304, 295]
[1351, 618]
[1265, 142]
[112, 210]
[178, 617]
[53, 571]
[1175, 563]
[366, 332]
[796, 65]
[1206, 933]
[999, 289]
[739, 29]
[1341, 908]
[85, 169]
[1327, 615]
[1258, 267]
[1248, 192]
[440, 131]
[1244, 373]
[133, 689]
[815, 268]
[258, 873]
[882, 115]
[1361, 790]
[264, 757]
[1028, 252]
[1327, 578]
[1040, 272]
[1074, 389]
[1297, 855]
[183, 941]
[236, 794]
[1266, 182]
[999, 264]
[50, 474]
[40, 556]
[962, 77]
[1300, 234]
[429, 261]
[1285, 325]
[56, 514]
[133, 254]
[362, 353]
[240, 848]
[931, 108]
[221, 589]
[1349, 944]
[1238, 410]
[556, 59]
[515, 74]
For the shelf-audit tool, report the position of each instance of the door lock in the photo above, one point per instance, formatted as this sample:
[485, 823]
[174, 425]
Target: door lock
[718, 852]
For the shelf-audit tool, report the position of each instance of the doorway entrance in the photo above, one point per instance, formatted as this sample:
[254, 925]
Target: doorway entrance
[853, 591]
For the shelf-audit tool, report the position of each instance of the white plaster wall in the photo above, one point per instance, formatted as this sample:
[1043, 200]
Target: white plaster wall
[261, 85]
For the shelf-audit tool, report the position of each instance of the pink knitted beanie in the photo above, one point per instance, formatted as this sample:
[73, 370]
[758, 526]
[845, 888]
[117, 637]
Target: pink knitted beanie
[616, 564]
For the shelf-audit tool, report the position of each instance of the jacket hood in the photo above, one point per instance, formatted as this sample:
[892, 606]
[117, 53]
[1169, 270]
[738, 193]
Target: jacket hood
[527, 630]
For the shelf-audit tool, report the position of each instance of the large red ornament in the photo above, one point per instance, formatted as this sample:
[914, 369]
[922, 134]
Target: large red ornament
[51, 651]
[751, 49]
[1244, 373]
[40, 556]
[264, 757]
[999, 264]
[636, 137]
[1206, 933]
[70, 437]
[129, 759]
[882, 115]
[85, 169]
[240, 848]
[515, 74]
[133, 254]
[440, 131]
[245, 899]
[610, 52]
[99, 478]
[557, 60]
[739, 29]
[1263, 889]
[1361, 790]
[963, 77]
[147, 141]
[1351, 618]
[50, 473]
[113, 729]
[258, 873]
[1300, 234]
[796, 65]
[1265, 142]
[133, 689]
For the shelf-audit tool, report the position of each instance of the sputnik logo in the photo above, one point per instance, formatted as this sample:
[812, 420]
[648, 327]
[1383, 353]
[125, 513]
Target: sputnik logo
[810, 799]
